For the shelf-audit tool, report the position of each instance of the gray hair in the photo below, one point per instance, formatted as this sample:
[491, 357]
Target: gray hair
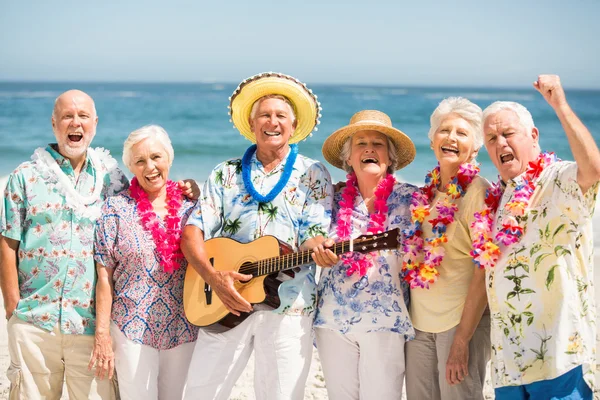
[347, 149]
[273, 96]
[464, 108]
[523, 114]
[147, 132]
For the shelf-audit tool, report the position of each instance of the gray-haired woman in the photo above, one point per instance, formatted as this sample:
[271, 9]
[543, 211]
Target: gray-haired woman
[448, 357]
[140, 276]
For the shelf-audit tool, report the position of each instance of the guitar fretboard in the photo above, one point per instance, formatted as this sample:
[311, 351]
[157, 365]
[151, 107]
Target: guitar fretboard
[364, 244]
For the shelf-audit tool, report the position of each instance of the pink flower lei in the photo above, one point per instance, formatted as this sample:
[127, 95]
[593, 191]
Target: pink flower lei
[357, 262]
[423, 255]
[167, 240]
[485, 252]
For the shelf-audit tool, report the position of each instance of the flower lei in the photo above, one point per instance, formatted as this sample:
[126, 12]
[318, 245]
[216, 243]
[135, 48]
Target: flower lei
[283, 180]
[422, 272]
[167, 240]
[357, 262]
[485, 252]
[84, 206]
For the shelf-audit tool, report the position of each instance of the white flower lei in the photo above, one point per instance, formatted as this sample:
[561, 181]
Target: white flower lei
[84, 206]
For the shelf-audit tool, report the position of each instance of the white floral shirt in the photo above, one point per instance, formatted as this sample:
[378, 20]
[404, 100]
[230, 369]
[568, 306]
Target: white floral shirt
[541, 291]
[377, 301]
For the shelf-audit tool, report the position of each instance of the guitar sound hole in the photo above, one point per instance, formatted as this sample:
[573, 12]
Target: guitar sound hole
[245, 267]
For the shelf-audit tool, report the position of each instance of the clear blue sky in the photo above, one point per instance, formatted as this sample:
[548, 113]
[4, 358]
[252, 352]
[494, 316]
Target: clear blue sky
[457, 43]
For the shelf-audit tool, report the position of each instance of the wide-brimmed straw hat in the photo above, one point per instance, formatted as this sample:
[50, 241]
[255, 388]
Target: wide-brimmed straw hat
[306, 106]
[369, 120]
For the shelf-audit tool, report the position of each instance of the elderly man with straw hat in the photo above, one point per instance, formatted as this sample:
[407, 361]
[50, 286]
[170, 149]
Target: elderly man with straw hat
[271, 190]
[362, 320]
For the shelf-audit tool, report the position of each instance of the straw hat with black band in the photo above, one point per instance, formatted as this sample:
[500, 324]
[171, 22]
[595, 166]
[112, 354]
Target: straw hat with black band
[369, 120]
[306, 107]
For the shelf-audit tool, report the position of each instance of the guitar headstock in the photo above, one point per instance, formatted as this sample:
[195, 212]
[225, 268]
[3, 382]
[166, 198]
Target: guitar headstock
[388, 240]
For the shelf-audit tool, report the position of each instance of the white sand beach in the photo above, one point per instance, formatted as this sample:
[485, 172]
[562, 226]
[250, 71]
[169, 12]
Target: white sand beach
[315, 387]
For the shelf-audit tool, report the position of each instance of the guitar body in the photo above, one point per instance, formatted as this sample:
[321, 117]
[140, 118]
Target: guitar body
[203, 307]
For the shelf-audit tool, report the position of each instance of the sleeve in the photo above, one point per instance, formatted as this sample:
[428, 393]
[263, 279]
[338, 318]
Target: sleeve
[207, 214]
[316, 213]
[14, 210]
[117, 182]
[106, 233]
[565, 190]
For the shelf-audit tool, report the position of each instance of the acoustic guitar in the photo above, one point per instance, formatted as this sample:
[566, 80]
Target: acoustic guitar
[262, 258]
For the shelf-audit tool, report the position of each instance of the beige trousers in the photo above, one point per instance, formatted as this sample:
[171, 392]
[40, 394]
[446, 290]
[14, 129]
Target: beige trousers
[426, 358]
[365, 366]
[40, 361]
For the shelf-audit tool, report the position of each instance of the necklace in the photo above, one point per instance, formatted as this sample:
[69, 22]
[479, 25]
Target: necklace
[166, 240]
[485, 252]
[283, 180]
[84, 206]
[423, 255]
[357, 262]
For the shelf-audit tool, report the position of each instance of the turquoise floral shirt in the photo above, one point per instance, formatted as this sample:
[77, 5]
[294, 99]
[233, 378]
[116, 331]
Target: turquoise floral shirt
[301, 211]
[377, 301]
[55, 257]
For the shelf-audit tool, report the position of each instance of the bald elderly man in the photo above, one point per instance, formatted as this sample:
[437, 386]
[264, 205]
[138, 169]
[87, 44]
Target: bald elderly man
[47, 272]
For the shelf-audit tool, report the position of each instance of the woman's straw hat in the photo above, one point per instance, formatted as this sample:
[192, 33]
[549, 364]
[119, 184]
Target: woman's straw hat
[306, 106]
[369, 120]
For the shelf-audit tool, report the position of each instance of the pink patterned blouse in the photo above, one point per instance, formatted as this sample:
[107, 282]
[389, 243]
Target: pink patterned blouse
[147, 302]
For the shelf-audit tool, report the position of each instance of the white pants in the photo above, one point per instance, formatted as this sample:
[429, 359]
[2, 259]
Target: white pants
[362, 366]
[283, 347]
[144, 372]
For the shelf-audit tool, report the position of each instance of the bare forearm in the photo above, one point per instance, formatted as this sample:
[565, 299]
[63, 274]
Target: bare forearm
[583, 146]
[192, 246]
[9, 277]
[475, 304]
[104, 299]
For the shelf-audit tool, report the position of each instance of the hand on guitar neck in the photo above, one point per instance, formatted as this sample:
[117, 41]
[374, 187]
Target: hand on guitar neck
[322, 255]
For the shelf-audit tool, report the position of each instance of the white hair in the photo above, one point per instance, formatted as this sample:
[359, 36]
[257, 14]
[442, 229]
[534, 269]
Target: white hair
[272, 96]
[523, 114]
[465, 109]
[347, 149]
[147, 132]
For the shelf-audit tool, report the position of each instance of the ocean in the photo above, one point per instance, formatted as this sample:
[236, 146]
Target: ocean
[195, 116]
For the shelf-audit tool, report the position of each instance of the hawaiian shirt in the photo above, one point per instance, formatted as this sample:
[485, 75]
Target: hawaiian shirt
[147, 301]
[541, 291]
[301, 211]
[56, 269]
[379, 300]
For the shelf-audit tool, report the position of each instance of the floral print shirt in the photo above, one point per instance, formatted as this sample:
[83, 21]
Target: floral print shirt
[541, 291]
[377, 301]
[301, 211]
[56, 269]
[147, 301]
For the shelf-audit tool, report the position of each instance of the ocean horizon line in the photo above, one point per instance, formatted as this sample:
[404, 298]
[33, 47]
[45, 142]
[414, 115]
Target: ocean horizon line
[318, 83]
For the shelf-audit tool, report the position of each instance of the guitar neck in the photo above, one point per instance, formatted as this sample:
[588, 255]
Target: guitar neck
[293, 260]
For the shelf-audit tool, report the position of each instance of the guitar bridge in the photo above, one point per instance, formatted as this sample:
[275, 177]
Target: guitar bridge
[208, 293]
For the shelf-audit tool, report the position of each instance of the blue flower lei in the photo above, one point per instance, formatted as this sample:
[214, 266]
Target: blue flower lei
[283, 180]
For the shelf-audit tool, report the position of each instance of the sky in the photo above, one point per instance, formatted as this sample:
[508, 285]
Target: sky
[414, 43]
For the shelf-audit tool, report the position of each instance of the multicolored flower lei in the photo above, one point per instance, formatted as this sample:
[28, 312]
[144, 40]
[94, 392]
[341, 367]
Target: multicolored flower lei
[422, 255]
[358, 262]
[167, 241]
[485, 252]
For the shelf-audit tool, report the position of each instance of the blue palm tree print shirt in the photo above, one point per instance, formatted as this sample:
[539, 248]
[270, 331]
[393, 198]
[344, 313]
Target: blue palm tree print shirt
[301, 211]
